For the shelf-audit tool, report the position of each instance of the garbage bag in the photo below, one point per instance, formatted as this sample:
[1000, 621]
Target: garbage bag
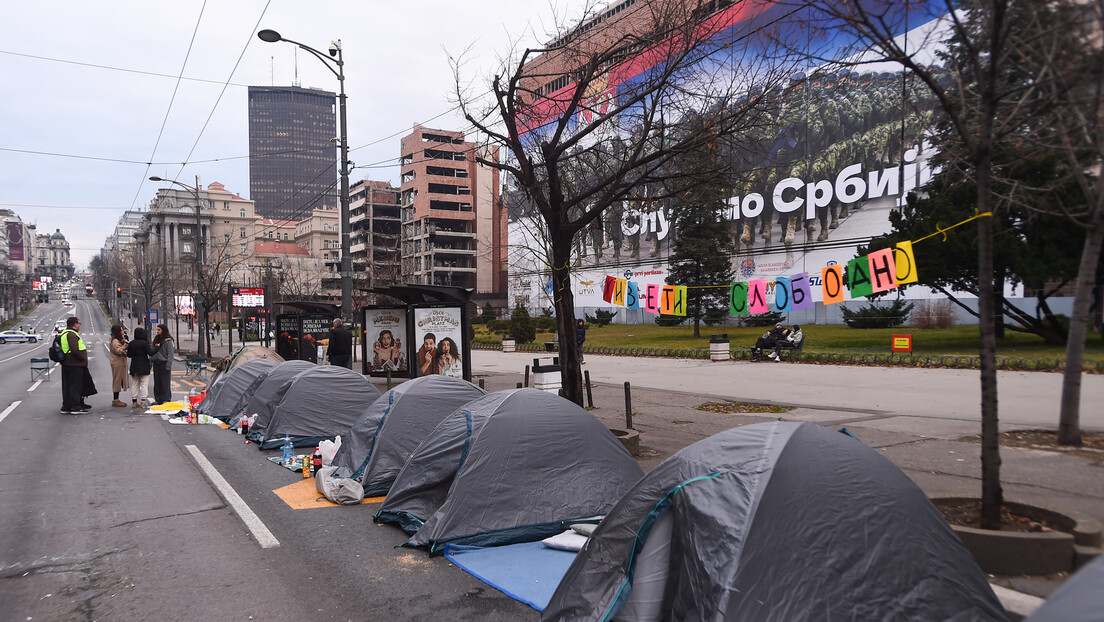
[328, 449]
[341, 490]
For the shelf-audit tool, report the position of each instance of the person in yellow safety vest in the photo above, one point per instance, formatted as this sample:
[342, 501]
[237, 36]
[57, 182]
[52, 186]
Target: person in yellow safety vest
[73, 369]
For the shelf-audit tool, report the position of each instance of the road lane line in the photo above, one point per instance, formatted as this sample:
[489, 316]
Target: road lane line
[252, 521]
[8, 410]
[34, 386]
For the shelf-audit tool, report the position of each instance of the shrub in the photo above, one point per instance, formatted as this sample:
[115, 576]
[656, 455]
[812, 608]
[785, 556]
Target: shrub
[601, 317]
[878, 316]
[521, 326]
[933, 314]
[669, 320]
[763, 319]
[488, 313]
[498, 326]
[544, 324]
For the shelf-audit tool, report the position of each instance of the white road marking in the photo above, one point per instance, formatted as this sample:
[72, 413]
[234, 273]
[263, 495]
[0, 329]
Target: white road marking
[8, 410]
[252, 521]
[34, 386]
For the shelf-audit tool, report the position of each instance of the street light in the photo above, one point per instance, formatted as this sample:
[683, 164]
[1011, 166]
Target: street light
[335, 58]
[200, 350]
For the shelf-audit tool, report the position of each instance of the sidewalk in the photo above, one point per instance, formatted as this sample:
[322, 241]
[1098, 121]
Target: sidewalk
[918, 418]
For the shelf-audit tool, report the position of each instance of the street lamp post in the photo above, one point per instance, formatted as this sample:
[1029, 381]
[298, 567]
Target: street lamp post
[200, 350]
[335, 59]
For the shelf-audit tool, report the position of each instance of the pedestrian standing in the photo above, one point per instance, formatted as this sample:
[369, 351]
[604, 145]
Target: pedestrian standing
[580, 338]
[162, 365]
[139, 351]
[73, 369]
[341, 345]
[118, 352]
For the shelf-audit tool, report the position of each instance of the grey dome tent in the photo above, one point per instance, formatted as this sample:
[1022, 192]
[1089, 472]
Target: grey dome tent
[319, 404]
[513, 466]
[774, 521]
[394, 425]
[226, 391]
[267, 390]
[1080, 599]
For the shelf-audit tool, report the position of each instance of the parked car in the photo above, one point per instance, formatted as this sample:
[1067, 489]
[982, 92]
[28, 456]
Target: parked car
[18, 336]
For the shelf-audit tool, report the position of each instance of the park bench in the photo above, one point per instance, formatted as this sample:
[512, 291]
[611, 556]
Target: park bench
[791, 347]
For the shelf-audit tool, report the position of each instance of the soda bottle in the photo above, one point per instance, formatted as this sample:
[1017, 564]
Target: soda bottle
[316, 460]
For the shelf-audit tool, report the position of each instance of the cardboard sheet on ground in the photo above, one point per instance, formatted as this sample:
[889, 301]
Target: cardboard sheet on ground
[302, 495]
[528, 572]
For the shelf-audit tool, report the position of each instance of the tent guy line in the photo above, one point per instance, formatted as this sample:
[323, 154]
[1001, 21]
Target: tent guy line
[252, 521]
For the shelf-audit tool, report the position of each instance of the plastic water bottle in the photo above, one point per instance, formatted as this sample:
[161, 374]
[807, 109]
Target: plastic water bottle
[289, 451]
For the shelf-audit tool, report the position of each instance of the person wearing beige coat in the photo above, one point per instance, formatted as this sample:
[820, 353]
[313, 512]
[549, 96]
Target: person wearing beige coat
[118, 349]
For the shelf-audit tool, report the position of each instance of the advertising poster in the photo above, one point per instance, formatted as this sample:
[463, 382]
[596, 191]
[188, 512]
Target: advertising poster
[385, 333]
[15, 241]
[314, 331]
[287, 336]
[439, 332]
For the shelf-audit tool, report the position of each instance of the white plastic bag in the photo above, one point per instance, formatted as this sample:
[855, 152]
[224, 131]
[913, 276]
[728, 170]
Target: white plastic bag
[341, 490]
[328, 449]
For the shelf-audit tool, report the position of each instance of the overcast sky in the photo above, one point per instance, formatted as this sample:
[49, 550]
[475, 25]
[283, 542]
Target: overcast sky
[91, 92]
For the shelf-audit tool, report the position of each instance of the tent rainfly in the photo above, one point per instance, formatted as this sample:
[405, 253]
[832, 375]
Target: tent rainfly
[393, 427]
[512, 466]
[261, 397]
[774, 521]
[241, 355]
[320, 403]
[226, 391]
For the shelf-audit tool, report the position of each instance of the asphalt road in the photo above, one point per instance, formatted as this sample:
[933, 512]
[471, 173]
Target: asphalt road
[108, 516]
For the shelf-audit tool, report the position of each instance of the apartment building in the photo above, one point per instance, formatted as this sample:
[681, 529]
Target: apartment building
[453, 223]
[375, 221]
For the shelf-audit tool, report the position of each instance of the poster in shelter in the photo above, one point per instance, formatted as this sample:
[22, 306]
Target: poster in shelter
[440, 341]
[385, 332]
[287, 336]
[314, 331]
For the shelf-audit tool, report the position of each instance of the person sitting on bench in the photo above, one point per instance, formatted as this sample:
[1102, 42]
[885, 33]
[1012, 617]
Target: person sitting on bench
[792, 341]
[769, 339]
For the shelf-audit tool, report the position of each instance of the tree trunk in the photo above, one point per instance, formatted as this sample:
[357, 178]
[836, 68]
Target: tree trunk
[992, 496]
[571, 375]
[1069, 415]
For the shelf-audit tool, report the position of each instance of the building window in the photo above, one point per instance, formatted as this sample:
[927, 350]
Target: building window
[242, 213]
[241, 232]
[226, 205]
[285, 236]
[226, 238]
[186, 247]
[243, 249]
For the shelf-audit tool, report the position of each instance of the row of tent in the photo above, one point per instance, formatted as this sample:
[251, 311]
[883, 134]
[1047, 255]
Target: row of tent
[771, 521]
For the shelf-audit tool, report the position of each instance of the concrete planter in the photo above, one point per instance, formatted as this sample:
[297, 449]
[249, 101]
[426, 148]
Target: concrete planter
[629, 438]
[1033, 553]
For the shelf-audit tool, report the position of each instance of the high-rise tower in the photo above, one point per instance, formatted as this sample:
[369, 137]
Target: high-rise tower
[292, 151]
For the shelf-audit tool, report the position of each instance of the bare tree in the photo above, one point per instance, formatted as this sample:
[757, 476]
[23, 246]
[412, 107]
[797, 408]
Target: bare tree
[984, 99]
[602, 138]
[223, 261]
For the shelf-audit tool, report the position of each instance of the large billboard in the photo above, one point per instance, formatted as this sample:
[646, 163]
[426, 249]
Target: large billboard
[841, 148]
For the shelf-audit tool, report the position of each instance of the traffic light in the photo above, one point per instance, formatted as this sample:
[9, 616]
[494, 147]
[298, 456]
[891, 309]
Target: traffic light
[118, 292]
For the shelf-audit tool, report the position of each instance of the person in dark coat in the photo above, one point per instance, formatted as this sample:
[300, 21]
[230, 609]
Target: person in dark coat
[162, 365]
[74, 370]
[340, 351]
[769, 340]
[580, 338]
[139, 351]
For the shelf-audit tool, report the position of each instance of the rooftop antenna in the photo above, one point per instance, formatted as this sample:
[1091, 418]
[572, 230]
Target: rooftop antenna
[296, 81]
[272, 71]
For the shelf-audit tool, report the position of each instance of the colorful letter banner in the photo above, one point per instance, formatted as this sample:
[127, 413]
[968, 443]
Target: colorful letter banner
[651, 298]
[783, 298]
[858, 277]
[619, 292]
[883, 273]
[831, 279]
[738, 298]
[802, 295]
[905, 263]
[607, 289]
[757, 296]
[632, 296]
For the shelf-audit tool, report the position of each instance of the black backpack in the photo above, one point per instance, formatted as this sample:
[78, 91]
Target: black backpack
[56, 353]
